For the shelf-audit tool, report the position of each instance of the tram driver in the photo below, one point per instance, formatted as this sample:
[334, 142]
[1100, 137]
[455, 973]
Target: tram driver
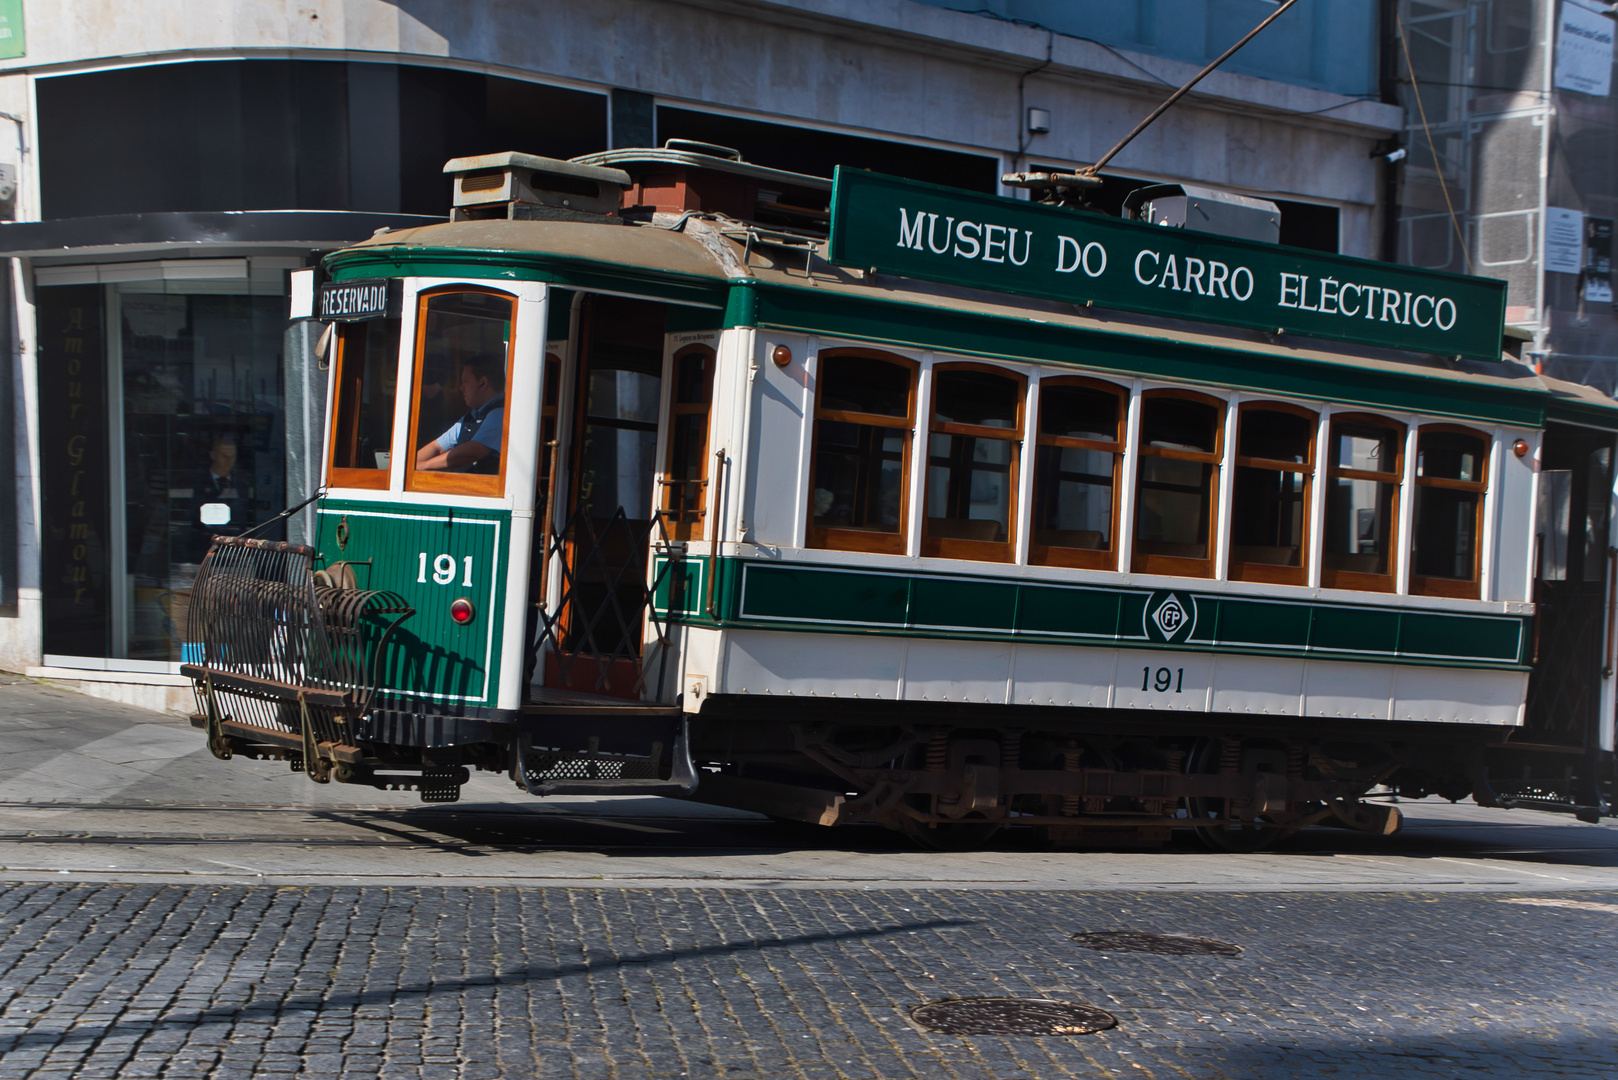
[472, 443]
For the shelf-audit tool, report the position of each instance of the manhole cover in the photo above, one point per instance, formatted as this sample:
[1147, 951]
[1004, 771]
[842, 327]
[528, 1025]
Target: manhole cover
[1011, 1016]
[1161, 944]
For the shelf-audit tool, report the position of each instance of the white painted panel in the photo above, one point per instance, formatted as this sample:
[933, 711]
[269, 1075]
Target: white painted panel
[1513, 493]
[957, 671]
[1347, 691]
[779, 399]
[1188, 681]
[1062, 675]
[1459, 696]
[813, 665]
[1258, 686]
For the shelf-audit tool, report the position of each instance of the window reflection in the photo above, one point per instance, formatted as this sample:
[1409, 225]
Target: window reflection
[1076, 473]
[1176, 492]
[1270, 494]
[862, 431]
[971, 463]
[1448, 511]
[463, 363]
[1364, 471]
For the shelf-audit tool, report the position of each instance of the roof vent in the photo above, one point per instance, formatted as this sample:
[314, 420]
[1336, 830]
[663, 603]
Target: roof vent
[1186, 206]
[525, 187]
[706, 149]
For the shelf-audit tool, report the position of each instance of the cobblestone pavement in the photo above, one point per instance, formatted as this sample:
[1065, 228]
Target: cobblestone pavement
[193, 981]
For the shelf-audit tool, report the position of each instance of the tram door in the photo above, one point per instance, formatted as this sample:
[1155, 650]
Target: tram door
[1571, 587]
[607, 532]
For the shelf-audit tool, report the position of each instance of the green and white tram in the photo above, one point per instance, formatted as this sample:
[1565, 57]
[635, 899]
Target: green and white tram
[659, 471]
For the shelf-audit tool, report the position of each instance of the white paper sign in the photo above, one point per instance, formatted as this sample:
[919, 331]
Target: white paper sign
[1564, 240]
[1584, 51]
[1597, 290]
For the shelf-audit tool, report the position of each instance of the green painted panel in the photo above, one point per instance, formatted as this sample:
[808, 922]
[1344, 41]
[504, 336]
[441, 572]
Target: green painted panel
[1132, 615]
[812, 595]
[889, 224]
[1432, 634]
[1242, 622]
[1351, 629]
[1042, 610]
[970, 605]
[680, 589]
[428, 554]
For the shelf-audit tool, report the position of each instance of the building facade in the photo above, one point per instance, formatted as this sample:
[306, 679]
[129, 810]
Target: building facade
[173, 161]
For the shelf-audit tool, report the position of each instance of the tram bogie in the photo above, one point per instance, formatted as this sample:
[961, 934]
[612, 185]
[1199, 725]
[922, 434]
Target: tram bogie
[684, 507]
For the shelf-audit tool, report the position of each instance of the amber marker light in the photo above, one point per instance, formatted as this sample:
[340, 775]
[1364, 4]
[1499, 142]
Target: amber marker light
[462, 611]
[1520, 448]
[782, 356]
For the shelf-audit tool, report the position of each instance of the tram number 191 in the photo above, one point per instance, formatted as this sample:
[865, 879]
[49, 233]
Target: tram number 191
[1162, 679]
[444, 570]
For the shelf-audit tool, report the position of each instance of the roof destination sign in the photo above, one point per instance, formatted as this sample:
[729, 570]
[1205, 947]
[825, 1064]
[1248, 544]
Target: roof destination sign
[988, 242]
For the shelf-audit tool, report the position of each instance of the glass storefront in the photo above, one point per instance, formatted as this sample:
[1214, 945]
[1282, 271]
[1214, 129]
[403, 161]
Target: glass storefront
[188, 394]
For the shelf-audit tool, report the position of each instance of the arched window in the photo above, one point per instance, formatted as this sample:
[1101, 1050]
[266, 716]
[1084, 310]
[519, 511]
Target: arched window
[1451, 476]
[1177, 489]
[1364, 468]
[685, 477]
[1077, 460]
[859, 474]
[972, 449]
[1269, 506]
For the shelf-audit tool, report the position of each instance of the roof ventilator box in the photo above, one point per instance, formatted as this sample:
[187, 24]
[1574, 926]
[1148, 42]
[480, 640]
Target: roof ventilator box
[1186, 206]
[522, 187]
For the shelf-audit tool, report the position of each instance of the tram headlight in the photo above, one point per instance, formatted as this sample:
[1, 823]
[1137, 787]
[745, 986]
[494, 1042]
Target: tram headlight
[462, 611]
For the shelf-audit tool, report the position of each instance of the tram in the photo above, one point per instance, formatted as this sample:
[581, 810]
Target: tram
[865, 500]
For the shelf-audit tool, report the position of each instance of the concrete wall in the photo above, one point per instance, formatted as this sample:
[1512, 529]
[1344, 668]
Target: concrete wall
[872, 67]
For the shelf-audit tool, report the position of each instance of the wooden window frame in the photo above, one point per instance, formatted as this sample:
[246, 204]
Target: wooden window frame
[863, 540]
[1354, 579]
[343, 477]
[454, 483]
[1174, 565]
[1452, 587]
[1082, 558]
[681, 530]
[1269, 572]
[943, 547]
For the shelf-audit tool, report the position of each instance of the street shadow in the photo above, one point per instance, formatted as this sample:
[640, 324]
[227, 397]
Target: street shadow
[326, 1004]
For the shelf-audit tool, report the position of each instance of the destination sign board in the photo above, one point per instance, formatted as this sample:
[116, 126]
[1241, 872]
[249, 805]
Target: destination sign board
[988, 242]
[350, 301]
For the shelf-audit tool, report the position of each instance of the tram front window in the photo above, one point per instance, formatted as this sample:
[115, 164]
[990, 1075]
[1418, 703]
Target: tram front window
[863, 414]
[462, 367]
[1365, 464]
[362, 431]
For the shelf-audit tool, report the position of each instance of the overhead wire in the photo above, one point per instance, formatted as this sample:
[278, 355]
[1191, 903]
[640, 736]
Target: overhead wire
[1438, 167]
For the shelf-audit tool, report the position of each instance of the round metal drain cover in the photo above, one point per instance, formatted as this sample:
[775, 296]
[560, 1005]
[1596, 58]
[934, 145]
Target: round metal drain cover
[1161, 944]
[1011, 1016]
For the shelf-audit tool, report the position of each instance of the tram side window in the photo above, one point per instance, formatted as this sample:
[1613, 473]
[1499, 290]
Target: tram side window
[865, 409]
[1177, 491]
[1451, 465]
[972, 450]
[1364, 467]
[1269, 510]
[463, 363]
[1078, 454]
[366, 376]
[685, 480]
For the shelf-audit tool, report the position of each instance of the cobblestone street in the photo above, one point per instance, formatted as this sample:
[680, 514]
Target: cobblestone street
[231, 982]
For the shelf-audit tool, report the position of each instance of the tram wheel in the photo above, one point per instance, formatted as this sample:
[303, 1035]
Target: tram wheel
[1237, 837]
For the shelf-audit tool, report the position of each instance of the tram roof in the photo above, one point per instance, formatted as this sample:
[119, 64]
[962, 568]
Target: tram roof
[756, 277]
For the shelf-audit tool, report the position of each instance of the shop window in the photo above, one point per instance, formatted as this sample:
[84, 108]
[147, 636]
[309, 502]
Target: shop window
[362, 431]
[1451, 468]
[1364, 468]
[865, 409]
[1269, 508]
[685, 479]
[1077, 458]
[972, 449]
[1177, 491]
[462, 367]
